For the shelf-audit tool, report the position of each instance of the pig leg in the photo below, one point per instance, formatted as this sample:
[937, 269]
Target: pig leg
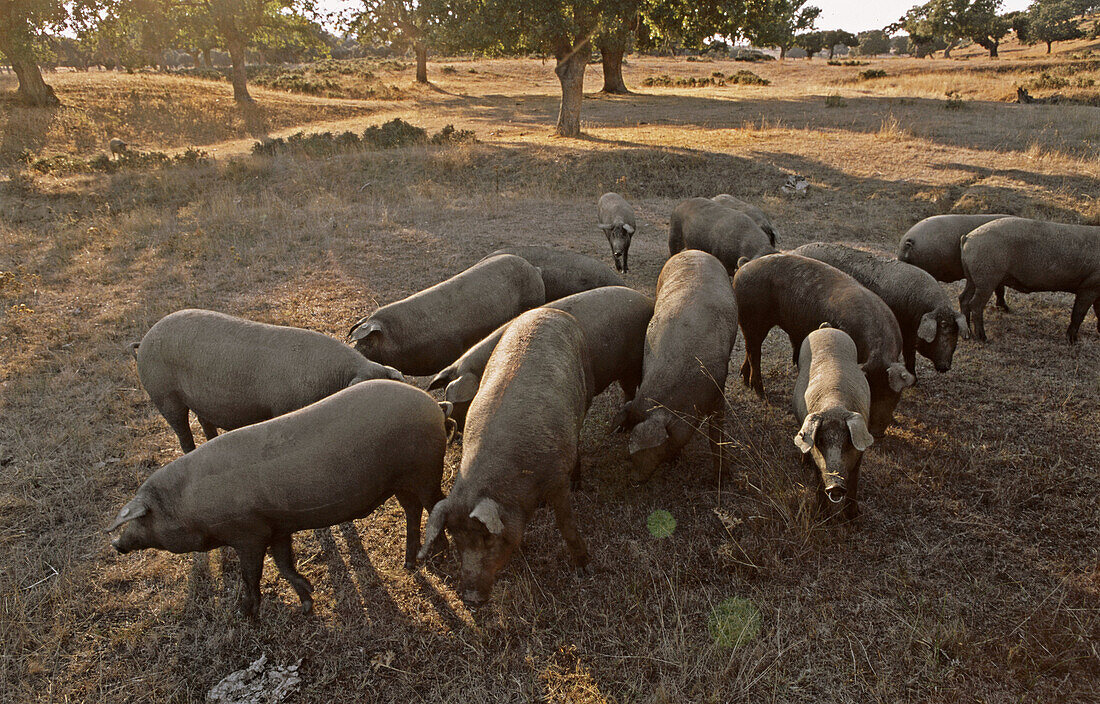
[796, 347]
[750, 368]
[1085, 300]
[413, 508]
[208, 429]
[250, 556]
[1001, 302]
[974, 310]
[429, 500]
[175, 413]
[1096, 312]
[575, 475]
[563, 512]
[282, 551]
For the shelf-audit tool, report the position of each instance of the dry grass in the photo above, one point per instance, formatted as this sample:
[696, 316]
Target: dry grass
[974, 576]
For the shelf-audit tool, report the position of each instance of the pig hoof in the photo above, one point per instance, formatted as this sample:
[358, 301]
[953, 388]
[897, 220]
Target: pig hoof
[307, 606]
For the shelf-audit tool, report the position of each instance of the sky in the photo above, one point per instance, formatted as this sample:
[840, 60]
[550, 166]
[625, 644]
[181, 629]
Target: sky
[858, 15]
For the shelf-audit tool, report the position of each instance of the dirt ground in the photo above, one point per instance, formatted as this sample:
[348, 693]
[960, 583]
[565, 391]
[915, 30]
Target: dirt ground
[974, 575]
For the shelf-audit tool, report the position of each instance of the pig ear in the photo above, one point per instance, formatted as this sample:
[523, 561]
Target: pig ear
[629, 229]
[824, 326]
[927, 328]
[436, 520]
[899, 377]
[804, 438]
[648, 434]
[442, 378]
[604, 226]
[364, 328]
[742, 262]
[129, 512]
[964, 329]
[857, 428]
[488, 512]
[463, 389]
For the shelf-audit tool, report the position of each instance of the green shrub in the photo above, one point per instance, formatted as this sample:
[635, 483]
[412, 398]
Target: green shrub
[871, 73]
[395, 133]
[834, 101]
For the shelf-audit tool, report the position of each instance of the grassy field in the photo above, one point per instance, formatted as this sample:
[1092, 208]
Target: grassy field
[975, 575]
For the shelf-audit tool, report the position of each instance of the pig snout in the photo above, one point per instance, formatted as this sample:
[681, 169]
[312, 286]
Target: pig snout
[835, 489]
[118, 546]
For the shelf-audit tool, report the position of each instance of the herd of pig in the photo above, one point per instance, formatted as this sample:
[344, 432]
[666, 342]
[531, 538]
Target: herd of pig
[521, 342]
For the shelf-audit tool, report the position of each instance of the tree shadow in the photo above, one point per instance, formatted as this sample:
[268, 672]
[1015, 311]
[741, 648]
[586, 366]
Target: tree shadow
[25, 128]
[255, 118]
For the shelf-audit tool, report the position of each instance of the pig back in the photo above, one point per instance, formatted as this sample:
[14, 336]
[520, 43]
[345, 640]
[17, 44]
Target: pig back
[531, 404]
[430, 329]
[332, 461]
[565, 272]
[829, 375]
[694, 323]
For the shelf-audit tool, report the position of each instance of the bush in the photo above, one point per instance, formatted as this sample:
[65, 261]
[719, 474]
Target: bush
[395, 133]
[1049, 81]
[717, 78]
[748, 78]
[834, 62]
[871, 73]
[834, 101]
[954, 101]
[448, 70]
[63, 164]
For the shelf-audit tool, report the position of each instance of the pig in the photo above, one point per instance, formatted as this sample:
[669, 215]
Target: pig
[687, 352]
[425, 332]
[798, 294]
[728, 234]
[933, 244]
[751, 210]
[613, 319]
[520, 448]
[333, 461]
[565, 272]
[832, 401]
[1032, 255]
[616, 219]
[233, 372]
[928, 319]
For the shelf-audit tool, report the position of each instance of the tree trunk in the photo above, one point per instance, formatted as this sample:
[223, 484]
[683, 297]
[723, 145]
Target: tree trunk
[421, 51]
[993, 49]
[1048, 46]
[611, 56]
[832, 52]
[207, 62]
[570, 71]
[951, 45]
[239, 75]
[782, 53]
[32, 89]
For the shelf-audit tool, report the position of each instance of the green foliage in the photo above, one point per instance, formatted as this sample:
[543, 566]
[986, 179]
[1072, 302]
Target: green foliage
[395, 133]
[954, 101]
[871, 73]
[1052, 21]
[734, 622]
[949, 21]
[810, 42]
[835, 101]
[835, 62]
[873, 43]
[661, 523]
[777, 22]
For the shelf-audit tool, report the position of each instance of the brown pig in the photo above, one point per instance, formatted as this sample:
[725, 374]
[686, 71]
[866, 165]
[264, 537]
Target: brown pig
[728, 234]
[687, 352]
[798, 294]
[330, 462]
[832, 401]
[425, 332]
[613, 319]
[520, 448]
